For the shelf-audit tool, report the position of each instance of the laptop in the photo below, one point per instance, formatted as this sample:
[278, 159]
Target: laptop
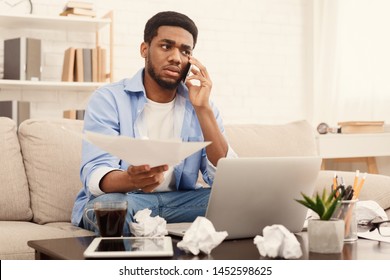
[249, 194]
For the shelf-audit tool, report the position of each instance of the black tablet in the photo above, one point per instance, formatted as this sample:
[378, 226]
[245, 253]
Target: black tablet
[122, 247]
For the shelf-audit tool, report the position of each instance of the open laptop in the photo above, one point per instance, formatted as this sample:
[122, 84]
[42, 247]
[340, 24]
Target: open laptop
[251, 193]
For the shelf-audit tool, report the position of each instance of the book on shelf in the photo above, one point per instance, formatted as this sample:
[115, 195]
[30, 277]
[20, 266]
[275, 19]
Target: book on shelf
[74, 114]
[68, 66]
[33, 59]
[22, 59]
[79, 66]
[84, 65]
[102, 56]
[80, 4]
[78, 12]
[95, 70]
[362, 127]
[87, 64]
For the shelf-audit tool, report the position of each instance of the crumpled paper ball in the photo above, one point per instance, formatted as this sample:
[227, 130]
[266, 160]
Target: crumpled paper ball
[147, 226]
[201, 237]
[278, 241]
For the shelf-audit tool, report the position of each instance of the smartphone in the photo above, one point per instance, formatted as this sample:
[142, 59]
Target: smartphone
[187, 71]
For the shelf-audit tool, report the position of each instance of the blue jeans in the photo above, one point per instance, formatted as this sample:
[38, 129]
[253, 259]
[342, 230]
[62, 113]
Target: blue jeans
[174, 207]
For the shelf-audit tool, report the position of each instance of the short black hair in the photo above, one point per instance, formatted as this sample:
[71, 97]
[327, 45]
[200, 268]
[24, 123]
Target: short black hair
[169, 18]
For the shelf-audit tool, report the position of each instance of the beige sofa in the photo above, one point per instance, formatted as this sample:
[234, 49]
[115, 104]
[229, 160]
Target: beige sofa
[39, 180]
[39, 175]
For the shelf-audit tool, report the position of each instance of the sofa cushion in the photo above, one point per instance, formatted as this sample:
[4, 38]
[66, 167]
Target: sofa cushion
[14, 198]
[52, 158]
[14, 237]
[257, 140]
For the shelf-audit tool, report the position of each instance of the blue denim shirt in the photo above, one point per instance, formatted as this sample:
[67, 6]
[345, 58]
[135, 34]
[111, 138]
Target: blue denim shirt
[114, 110]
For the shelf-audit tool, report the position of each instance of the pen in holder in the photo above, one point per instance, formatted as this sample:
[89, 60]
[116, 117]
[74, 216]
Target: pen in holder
[347, 205]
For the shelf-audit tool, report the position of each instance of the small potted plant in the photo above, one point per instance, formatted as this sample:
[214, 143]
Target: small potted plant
[326, 235]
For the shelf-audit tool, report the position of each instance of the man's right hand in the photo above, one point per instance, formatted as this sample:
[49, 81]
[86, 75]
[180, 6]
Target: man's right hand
[143, 178]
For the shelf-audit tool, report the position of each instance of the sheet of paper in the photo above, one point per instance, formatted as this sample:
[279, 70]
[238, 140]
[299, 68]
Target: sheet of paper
[374, 235]
[144, 151]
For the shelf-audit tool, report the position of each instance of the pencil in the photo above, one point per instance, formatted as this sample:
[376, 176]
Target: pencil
[359, 188]
[336, 193]
[335, 181]
[355, 182]
[347, 219]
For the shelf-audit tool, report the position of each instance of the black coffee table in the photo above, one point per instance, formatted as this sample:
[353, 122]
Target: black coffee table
[242, 249]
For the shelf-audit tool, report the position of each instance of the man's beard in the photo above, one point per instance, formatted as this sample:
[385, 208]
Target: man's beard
[161, 82]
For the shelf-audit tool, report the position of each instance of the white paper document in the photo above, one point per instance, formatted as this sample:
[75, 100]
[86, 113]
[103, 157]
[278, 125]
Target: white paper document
[374, 235]
[144, 151]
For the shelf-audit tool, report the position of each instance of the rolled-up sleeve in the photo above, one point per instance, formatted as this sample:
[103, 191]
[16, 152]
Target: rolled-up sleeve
[96, 177]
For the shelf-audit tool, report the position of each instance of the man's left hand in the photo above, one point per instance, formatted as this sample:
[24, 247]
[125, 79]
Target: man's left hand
[199, 94]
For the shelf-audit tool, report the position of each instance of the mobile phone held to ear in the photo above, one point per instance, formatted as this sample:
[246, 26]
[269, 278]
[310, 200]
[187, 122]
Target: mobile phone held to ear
[187, 71]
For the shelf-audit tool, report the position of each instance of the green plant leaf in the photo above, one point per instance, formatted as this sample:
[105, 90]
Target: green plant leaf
[308, 205]
[309, 200]
[324, 195]
[331, 196]
[329, 212]
[324, 205]
[320, 206]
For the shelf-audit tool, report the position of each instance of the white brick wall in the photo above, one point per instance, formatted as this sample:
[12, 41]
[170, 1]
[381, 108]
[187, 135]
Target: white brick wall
[255, 50]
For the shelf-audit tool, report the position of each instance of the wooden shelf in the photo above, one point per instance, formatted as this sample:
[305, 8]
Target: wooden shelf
[354, 147]
[53, 22]
[42, 85]
[65, 24]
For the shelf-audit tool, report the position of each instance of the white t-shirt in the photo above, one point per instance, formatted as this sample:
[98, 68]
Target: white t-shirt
[160, 126]
[157, 123]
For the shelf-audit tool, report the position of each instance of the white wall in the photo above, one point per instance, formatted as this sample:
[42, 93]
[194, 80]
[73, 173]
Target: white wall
[258, 53]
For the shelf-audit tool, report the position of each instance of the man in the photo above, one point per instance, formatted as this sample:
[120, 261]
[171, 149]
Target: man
[155, 104]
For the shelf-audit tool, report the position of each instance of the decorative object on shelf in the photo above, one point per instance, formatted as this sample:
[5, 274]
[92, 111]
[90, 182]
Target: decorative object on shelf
[80, 4]
[323, 128]
[326, 235]
[22, 59]
[78, 8]
[16, 6]
[75, 114]
[362, 126]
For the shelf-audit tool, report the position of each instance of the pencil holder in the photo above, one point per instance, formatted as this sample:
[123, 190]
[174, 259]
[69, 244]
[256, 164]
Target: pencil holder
[347, 212]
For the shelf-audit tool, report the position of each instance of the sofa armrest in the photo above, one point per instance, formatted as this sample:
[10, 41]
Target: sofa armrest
[262, 140]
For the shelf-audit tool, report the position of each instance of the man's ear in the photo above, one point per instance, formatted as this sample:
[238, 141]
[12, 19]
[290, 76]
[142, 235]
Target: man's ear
[144, 49]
